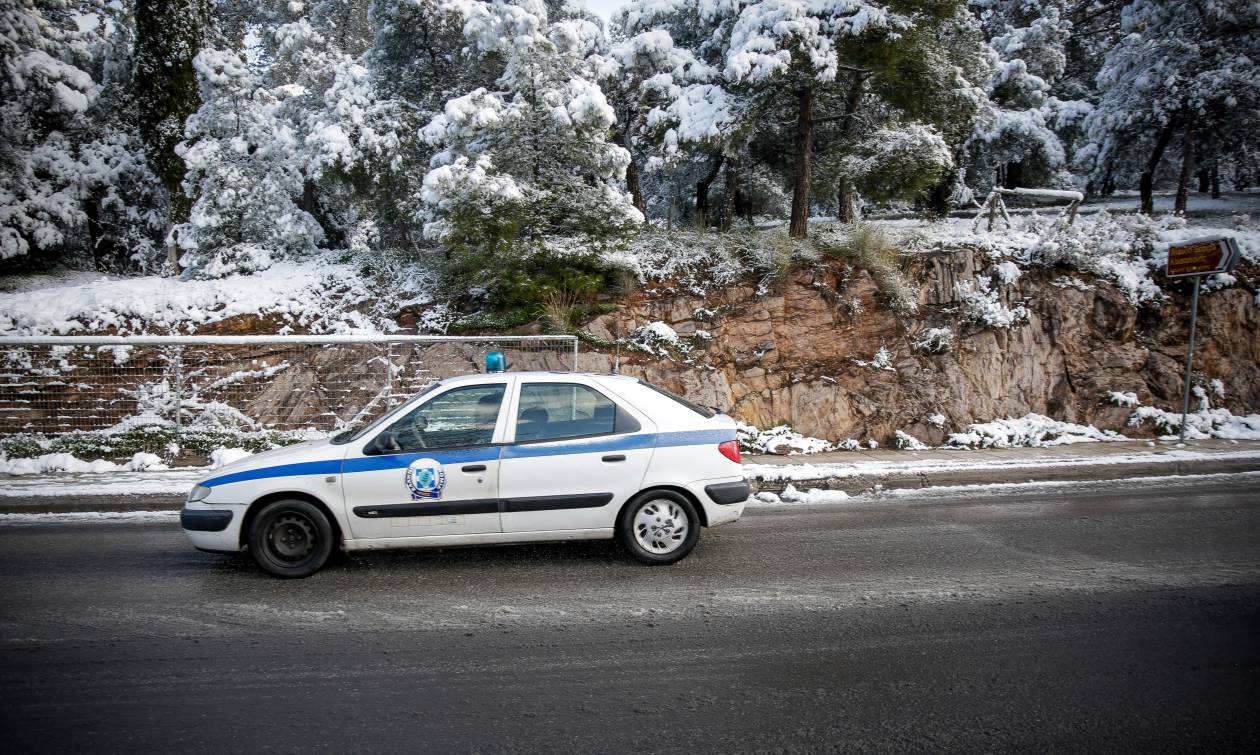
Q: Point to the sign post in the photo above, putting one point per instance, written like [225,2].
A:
[1195,259]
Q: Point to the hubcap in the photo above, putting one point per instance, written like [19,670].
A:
[660,526]
[291,536]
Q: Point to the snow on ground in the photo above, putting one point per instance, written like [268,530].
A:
[173,482]
[936,492]
[911,466]
[67,463]
[89,516]
[318,295]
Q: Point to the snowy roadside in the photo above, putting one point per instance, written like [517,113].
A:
[822,478]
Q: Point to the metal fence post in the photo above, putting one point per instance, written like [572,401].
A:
[575,353]
[389,375]
[179,391]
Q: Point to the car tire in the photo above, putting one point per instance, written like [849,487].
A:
[291,539]
[659,527]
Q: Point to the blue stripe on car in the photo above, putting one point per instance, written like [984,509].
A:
[488,453]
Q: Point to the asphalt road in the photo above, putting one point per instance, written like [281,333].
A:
[1109,616]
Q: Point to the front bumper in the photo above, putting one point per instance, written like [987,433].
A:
[213,526]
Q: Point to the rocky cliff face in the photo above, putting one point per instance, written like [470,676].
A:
[804,351]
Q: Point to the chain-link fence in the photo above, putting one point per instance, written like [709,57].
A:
[318,384]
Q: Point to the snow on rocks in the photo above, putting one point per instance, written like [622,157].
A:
[1029,430]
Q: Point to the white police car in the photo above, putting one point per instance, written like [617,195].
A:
[494,458]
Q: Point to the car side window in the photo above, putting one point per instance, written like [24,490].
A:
[458,418]
[555,411]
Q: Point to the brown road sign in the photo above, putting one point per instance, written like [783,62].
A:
[1201,257]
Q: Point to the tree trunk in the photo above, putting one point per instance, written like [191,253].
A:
[632,170]
[1216,180]
[1205,178]
[1014,175]
[844,203]
[1146,184]
[169,33]
[728,197]
[804,139]
[1187,168]
[702,191]
[636,191]
[1109,182]
[938,197]
[844,193]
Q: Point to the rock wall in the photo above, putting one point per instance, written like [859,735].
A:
[801,352]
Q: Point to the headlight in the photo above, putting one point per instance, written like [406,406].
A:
[198,493]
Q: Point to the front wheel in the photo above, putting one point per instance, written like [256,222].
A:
[659,527]
[291,539]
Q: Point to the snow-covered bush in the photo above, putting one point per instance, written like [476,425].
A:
[982,305]
[1201,424]
[1118,247]
[867,247]
[934,341]
[656,338]
[908,442]
[1030,430]
[780,439]
[1123,398]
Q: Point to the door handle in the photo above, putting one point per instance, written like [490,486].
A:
[473,468]
[614,457]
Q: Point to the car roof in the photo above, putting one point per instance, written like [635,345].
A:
[473,377]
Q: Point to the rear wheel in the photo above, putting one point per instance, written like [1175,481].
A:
[291,539]
[659,527]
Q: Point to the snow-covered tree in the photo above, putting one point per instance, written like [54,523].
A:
[244,171]
[73,178]
[526,188]
[1018,140]
[1188,69]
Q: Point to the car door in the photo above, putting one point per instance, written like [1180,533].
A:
[574,457]
[432,472]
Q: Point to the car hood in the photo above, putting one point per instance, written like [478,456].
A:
[311,450]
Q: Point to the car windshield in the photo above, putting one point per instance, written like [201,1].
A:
[354,433]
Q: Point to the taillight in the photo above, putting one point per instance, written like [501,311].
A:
[730,449]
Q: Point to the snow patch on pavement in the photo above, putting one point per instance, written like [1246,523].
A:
[917,466]
[89,516]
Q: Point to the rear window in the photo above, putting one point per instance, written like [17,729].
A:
[703,411]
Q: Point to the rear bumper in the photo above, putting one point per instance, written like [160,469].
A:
[721,499]
[213,527]
[726,493]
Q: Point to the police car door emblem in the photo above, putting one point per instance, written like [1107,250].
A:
[425,479]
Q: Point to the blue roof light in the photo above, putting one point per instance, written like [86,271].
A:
[496,361]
